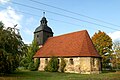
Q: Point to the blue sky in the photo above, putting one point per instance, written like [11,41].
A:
[105,10]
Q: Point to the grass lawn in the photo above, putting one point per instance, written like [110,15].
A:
[36,75]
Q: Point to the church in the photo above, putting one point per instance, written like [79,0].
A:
[76,48]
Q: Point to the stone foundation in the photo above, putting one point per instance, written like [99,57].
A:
[82,65]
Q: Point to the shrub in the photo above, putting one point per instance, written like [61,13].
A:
[37,63]
[62,65]
[52,65]
[33,66]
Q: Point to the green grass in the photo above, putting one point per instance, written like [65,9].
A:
[36,75]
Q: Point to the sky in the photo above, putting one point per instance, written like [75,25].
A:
[63,16]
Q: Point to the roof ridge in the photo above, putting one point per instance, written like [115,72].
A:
[68,33]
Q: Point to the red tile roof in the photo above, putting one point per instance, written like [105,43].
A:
[76,44]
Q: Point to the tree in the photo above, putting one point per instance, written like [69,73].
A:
[27,60]
[103,44]
[11,47]
[116,56]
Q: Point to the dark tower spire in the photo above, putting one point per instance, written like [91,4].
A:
[44,22]
[42,32]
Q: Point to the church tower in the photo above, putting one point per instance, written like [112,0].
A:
[42,32]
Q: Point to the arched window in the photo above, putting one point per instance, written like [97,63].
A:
[37,36]
[71,61]
[93,61]
[46,60]
[58,61]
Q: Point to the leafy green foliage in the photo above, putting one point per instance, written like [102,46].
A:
[115,58]
[62,65]
[52,65]
[106,62]
[27,60]
[36,63]
[11,49]
[33,66]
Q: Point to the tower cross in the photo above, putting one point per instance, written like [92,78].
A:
[43,14]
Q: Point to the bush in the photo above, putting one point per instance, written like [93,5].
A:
[33,66]
[52,65]
[62,65]
[37,63]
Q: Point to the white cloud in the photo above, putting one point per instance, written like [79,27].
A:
[4,1]
[115,35]
[10,18]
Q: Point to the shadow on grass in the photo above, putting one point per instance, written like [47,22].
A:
[108,71]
